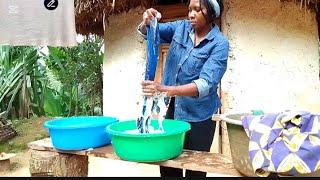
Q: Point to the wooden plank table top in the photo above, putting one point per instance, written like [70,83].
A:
[192,160]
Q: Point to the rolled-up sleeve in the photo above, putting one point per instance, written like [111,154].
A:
[213,69]
[202,86]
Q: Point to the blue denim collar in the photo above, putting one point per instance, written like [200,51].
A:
[210,36]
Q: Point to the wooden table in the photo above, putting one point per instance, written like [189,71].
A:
[48,161]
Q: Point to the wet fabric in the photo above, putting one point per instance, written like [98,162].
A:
[152,106]
[286,142]
[37,22]
[153,42]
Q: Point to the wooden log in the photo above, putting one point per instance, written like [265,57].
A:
[70,165]
[41,163]
[5,162]
[4,165]
[49,163]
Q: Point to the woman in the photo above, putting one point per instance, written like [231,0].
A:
[196,62]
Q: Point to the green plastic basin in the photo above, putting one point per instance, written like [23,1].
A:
[152,147]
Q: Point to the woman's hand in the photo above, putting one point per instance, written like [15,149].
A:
[147,17]
[149,14]
[149,88]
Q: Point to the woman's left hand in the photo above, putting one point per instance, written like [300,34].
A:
[149,88]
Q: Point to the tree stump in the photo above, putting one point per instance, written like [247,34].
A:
[5,162]
[4,165]
[46,163]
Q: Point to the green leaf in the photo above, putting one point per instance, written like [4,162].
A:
[52,106]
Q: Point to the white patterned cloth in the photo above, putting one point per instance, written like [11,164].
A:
[153,107]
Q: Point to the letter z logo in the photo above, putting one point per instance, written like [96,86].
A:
[51,4]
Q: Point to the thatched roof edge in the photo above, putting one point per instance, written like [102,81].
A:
[90,14]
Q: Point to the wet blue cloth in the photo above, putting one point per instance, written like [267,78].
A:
[153,42]
[149,105]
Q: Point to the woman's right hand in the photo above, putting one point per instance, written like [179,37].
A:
[149,14]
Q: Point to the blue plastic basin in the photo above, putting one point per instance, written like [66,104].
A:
[78,133]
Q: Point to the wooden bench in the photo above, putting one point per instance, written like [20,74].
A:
[48,161]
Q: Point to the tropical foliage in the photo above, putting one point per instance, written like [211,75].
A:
[62,82]
[79,70]
[19,81]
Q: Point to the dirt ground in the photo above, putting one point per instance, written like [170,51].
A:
[98,167]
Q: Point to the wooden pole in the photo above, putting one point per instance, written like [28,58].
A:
[216,143]
[225,144]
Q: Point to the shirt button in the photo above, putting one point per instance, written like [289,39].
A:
[186,56]
[176,105]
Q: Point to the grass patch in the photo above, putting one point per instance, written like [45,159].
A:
[28,130]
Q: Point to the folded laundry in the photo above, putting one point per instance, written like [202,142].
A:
[286,143]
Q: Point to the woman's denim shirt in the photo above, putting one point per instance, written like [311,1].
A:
[204,65]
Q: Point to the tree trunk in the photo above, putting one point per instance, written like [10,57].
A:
[24,94]
[70,102]
[100,94]
[93,101]
[45,163]
[77,99]
[5,166]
